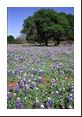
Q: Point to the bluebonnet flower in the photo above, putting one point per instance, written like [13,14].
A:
[58,65]
[28,66]
[20,69]
[48,103]
[40,72]
[36,104]
[32,85]
[26,89]
[18,103]
[34,71]
[17,70]
[32,77]
[53,82]
[17,88]
[9,96]
[21,83]
[70,98]
[13,73]
[24,79]
[40,80]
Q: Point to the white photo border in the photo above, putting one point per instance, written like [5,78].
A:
[77,57]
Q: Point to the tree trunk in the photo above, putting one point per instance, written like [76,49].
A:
[46,42]
[46,39]
[57,42]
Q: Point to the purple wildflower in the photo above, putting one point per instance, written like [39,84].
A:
[24,79]
[21,83]
[53,82]
[9,96]
[32,85]
[36,104]
[26,89]
[28,66]
[34,71]
[40,80]
[32,77]
[14,73]
[17,88]
[70,98]
[48,103]
[40,72]
[18,103]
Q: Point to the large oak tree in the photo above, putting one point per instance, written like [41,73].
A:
[47,24]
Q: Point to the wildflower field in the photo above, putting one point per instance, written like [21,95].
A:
[40,77]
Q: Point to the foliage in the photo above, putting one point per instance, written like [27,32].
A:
[47,24]
[10,39]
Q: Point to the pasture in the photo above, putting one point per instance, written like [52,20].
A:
[40,77]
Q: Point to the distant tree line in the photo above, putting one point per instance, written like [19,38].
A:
[48,25]
[12,40]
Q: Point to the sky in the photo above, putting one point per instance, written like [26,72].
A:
[16,16]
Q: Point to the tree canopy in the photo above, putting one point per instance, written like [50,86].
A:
[47,24]
[10,39]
